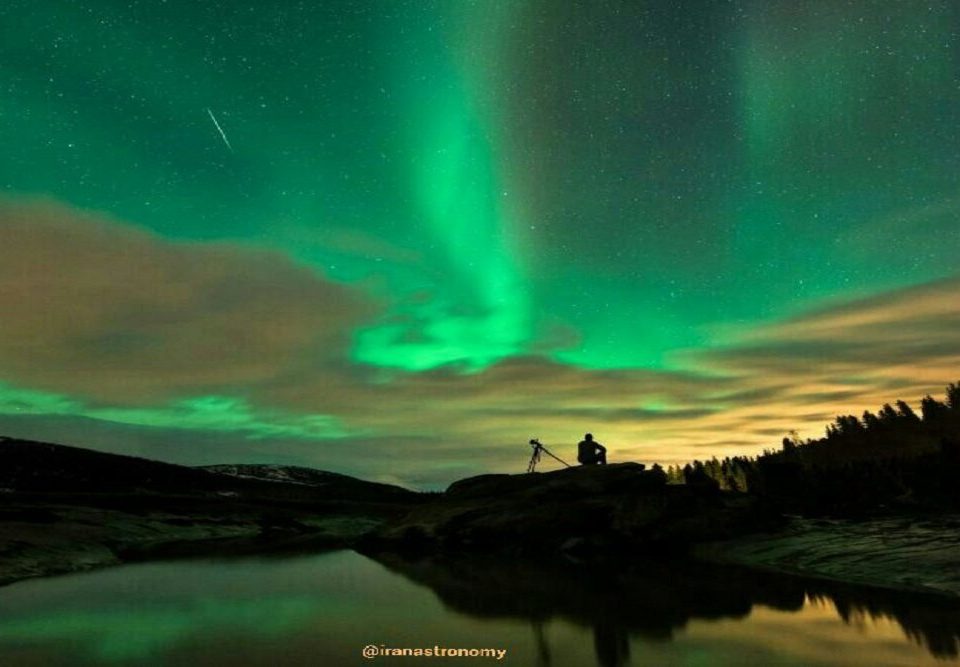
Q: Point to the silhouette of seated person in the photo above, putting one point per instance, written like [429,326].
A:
[590,452]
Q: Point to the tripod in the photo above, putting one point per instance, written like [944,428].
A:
[539,449]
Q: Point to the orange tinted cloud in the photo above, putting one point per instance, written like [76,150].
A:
[113,313]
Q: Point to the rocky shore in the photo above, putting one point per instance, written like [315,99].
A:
[41,537]
[906,552]
[65,509]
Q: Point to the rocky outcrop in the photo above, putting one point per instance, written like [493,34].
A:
[593,510]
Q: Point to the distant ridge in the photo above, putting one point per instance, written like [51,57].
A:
[301,475]
[276,473]
[27,466]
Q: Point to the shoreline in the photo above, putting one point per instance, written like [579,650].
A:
[908,553]
[50,540]
[785,552]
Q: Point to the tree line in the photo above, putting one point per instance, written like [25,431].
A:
[891,457]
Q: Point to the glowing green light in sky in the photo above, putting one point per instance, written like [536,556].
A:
[604,184]
[214,413]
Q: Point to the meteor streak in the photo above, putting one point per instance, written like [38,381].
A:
[220,130]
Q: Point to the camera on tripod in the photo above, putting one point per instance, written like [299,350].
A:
[538,450]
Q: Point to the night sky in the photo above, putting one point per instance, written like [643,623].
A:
[433,229]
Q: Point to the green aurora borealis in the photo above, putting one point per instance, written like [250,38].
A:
[448,226]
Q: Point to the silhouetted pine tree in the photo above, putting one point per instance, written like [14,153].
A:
[932,410]
[892,457]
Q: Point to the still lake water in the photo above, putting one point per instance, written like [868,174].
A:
[323,609]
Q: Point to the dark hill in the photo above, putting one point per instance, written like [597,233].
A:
[39,467]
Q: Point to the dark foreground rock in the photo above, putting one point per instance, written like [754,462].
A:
[584,511]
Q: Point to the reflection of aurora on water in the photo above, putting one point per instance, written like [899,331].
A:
[138,633]
[248,611]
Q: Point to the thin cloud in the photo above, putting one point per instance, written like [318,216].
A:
[110,312]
